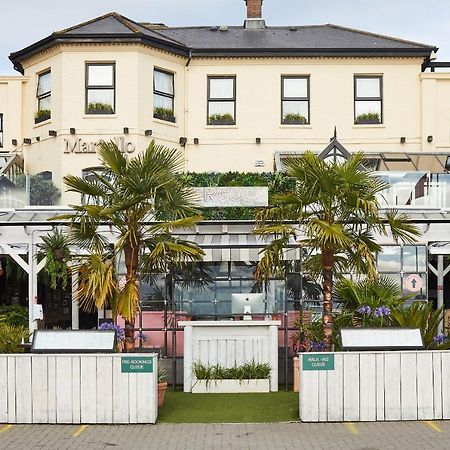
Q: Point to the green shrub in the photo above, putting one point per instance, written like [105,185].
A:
[10,338]
[368,116]
[248,371]
[216,117]
[98,107]
[42,113]
[293,117]
[15,315]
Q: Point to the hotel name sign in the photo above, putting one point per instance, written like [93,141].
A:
[213,197]
[79,145]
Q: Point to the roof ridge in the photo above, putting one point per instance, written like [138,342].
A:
[383,36]
[87,22]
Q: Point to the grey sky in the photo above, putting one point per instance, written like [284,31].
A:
[26,21]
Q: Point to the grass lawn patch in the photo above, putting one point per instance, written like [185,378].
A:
[181,407]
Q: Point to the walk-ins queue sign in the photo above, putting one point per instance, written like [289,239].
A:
[137,364]
[317,361]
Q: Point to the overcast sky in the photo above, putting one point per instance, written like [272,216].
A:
[24,22]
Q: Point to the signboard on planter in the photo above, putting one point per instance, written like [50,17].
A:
[137,364]
[226,196]
[318,361]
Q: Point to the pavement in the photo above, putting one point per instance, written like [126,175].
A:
[295,435]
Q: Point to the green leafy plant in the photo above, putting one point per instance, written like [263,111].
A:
[248,371]
[99,108]
[56,249]
[421,315]
[41,113]
[294,118]
[227,117]
[11,337]
[368,116]
[162,373]
[14,315]
[163,113]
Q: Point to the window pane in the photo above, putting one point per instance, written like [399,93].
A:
[105,96]
[160,101]
[45,103]
[221,108]
[296,107]
[163,82]
[365,107]
[221,88]
[389,259]
[44,83]
[295,87]
[368,87]
[100,75]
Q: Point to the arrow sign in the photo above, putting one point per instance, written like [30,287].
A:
[413,282]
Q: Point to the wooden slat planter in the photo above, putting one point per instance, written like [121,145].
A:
[230,386]
[377,386]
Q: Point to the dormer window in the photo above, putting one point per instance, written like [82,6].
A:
[44,97]
[100,88]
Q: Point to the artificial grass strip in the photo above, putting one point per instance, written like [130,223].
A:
[181,407]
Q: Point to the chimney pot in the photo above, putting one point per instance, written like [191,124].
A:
[254,9]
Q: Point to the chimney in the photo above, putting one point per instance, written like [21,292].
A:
[254,19]
[254,9]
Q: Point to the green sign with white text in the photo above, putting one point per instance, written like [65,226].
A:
[137,364]
[318,361]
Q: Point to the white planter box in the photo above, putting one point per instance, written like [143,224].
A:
[230,386]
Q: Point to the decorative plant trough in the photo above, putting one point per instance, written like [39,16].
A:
[230,386]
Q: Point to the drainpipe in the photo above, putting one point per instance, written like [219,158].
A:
[186,109]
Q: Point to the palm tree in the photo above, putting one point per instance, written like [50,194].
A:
[143,201]
[335,213]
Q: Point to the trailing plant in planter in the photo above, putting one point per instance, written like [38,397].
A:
[162,384]
[368,118]
[56,249]
[248,371]
[221,119]
[294,119]
[99,108]
[41,115]
[164,114]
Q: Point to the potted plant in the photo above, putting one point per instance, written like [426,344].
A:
[56,249]
[41,115]
[99,108]
[294,119]
[162,384]
[164,114]
[368,118]
[249,377]
[221,119]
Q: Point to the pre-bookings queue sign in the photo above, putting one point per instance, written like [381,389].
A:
[137,364]
[318,361]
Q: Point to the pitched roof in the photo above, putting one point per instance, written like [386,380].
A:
[314,40]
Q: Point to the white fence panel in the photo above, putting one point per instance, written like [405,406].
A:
[369,386]
[77,389]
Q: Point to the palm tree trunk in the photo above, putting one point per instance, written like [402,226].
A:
[131,263]
[327,272]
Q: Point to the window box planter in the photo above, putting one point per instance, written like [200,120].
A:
[41,116]
[230,386]
[221,122]
[367,121]
[99,108]
[165,117]
[294,122]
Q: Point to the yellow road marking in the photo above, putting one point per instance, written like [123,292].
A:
[6,427]
[351,427]
[79,431]
[433,425]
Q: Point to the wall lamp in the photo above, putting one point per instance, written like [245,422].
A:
[258,140]
[126,130]
[196,141]
[26,140]
[148,132]
[402,140]
[72,130]
[183,141]
[52,133]
[429,138]
[14,142]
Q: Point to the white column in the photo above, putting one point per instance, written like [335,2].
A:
[273,357]
[187,362]
[75,309]
[32,284]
